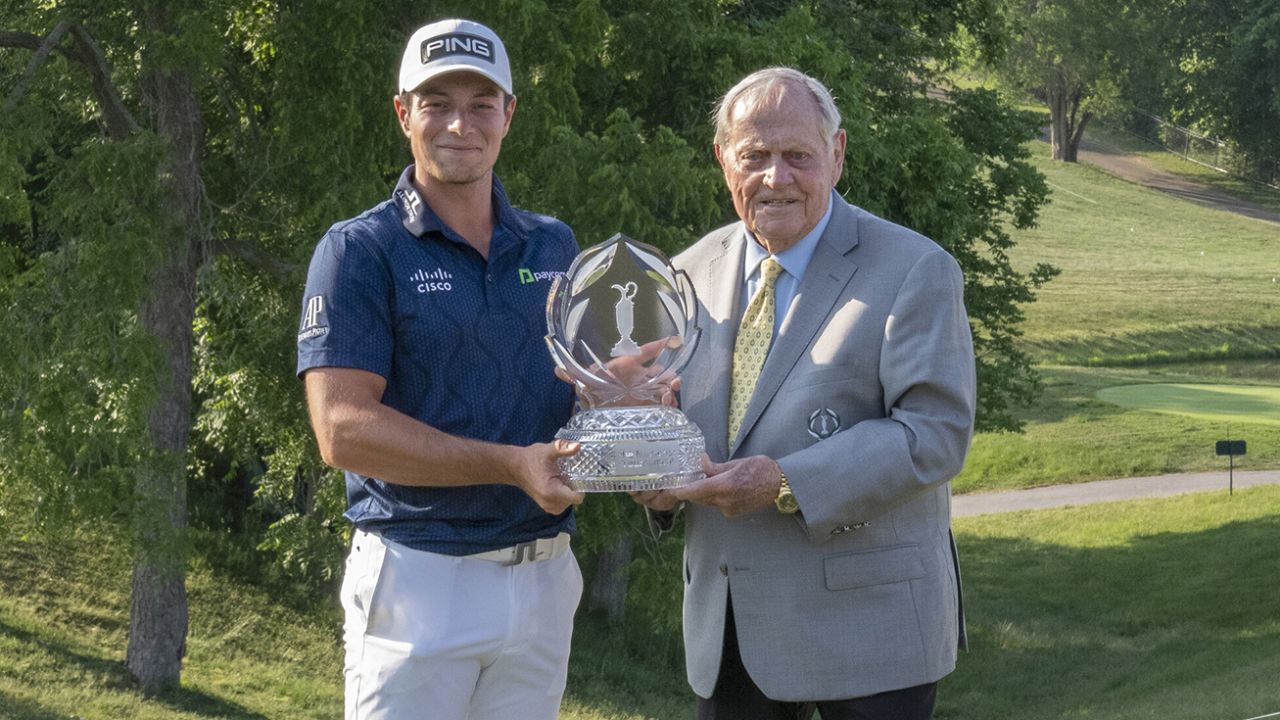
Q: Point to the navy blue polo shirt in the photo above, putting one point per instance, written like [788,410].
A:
[459,340]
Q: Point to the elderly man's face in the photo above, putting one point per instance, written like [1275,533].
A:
[779,170]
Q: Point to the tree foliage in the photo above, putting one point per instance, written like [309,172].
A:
[612,133]
[1223,73]
[1080,58]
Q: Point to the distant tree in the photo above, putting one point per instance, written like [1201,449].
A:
[1078,57]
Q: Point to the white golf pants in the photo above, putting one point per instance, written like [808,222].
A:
[437,637]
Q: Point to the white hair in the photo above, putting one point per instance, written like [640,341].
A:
[764,85]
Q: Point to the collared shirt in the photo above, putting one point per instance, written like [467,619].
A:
[794,261]
[459,339]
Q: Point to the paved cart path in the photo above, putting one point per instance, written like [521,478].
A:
[1098,491]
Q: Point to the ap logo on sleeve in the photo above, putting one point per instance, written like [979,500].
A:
[312,319]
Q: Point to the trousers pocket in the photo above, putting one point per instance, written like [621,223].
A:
[360,580]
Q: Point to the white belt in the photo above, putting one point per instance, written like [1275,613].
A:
[532,551]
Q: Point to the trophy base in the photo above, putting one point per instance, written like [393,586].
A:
[630,449]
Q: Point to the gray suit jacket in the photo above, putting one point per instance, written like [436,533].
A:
[859,593]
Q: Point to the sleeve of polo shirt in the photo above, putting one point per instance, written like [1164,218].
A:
[346,308]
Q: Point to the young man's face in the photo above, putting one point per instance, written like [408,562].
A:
[780,169]
[455,124]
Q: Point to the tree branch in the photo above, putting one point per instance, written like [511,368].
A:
[120,123]
[42,50]
[12,38]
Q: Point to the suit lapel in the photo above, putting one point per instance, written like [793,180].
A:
[824,280]
[722,277]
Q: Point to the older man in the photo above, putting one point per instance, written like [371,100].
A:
[835,387]
[428,382]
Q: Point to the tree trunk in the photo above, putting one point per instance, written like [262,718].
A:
[609,588]
[158,612]
[1060,125]
[1078,135]
[158,608]
[1065,132]
[157,624]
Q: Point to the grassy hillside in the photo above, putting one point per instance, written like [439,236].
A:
[1112,138]
[64,610]
[1159,609]
[1147,277]
[1153,289]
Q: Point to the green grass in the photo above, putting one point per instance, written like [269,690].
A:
[1147,277]
[64,611]
[1155,609]
[64,624]
[635,673]
[1163,609]
[1072,436]
[1153,290]
[1227,403]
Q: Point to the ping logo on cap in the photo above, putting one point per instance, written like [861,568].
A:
[434,48]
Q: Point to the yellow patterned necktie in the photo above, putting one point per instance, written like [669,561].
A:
[755,333]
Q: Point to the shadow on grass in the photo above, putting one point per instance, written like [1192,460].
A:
[15,708]
[111,675]
[1192,343]
[204,704]
[1168,625]
[632,667]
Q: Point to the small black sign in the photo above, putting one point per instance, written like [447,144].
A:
[1231,447]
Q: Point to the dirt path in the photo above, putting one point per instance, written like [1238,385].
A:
[1137,170]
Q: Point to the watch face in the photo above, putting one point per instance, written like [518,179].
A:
[787,503]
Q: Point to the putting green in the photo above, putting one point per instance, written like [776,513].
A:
[1227,403]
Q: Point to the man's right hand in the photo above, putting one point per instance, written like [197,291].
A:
[538,474]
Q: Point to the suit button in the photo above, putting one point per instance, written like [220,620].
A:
[724,570]
[841,530]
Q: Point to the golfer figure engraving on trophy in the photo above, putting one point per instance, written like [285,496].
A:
[623,315]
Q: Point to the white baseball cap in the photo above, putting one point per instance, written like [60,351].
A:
[452,45]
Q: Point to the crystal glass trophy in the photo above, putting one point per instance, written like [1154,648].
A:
[620,324]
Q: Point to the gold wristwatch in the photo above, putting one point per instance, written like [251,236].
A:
[786,501]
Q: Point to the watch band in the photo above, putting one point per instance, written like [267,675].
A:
[786,501]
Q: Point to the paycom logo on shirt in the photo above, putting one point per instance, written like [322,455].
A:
[528,276]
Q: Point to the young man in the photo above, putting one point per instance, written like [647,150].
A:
[428,382]
[835,387]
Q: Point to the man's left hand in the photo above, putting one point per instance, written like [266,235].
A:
[736,487]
